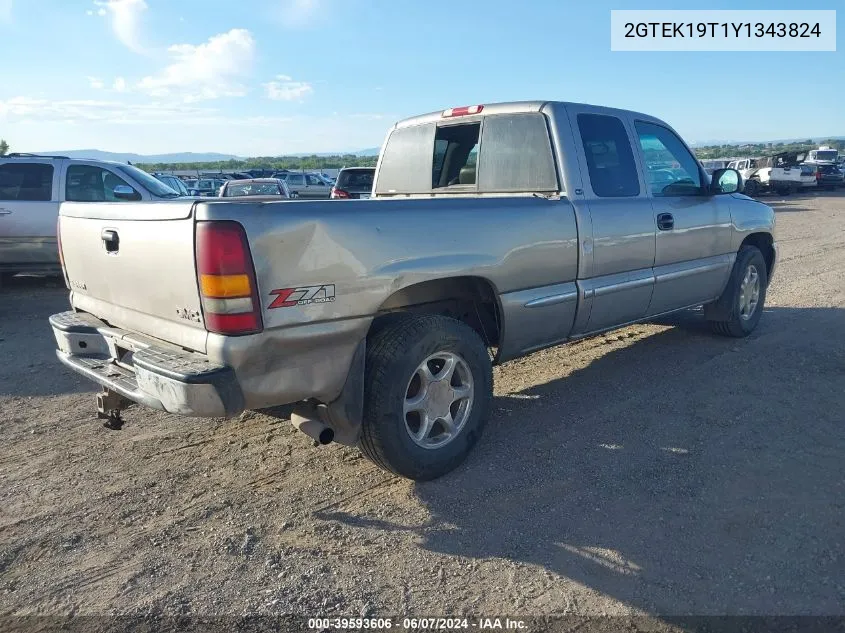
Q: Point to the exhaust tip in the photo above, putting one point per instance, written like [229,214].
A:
[304,421]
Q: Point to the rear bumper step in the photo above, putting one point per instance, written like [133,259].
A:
[155,375]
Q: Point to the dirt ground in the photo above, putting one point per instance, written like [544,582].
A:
[659,469]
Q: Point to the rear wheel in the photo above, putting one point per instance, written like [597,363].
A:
[741,305]
[427,394]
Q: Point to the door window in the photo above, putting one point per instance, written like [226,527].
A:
[296,180]
[610,159]
[671,167]
[87,183]
[313,180]
[32,182]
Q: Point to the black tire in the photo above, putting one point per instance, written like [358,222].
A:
[394,353]
[784,191]
[752,188]
[729,321]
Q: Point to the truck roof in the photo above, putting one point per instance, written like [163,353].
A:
[509,107]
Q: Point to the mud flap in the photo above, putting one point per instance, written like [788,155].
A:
[344,413]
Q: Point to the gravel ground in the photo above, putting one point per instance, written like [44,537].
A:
[658,469]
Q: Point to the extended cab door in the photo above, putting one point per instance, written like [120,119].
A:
[619,288]
[693,244]
[29,210]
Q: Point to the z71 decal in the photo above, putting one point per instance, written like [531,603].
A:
[302,296]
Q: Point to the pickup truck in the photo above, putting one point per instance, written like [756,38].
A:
[780,173]
[494,230]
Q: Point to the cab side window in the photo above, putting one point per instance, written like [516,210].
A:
[87,183]
[313,180]
[610,159]
[26,182]
[672,169]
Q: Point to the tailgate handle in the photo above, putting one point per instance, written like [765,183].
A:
[111,239]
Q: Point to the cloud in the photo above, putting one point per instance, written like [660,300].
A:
[285,89]
[95,83]
[207,71]
[119,85]
[18,109]
[125,17]
[298,13]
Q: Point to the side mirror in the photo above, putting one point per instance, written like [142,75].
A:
[726,181]
[124,192]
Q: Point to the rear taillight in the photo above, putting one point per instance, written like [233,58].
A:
[339,193]
[226,279]
[61,255]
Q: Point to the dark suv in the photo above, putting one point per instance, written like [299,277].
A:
[829,176]
[353,183]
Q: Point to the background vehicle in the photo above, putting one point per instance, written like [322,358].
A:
[827,175]
[782,173]
[31,189]
[377,320]
[206,187]
[272,187]
[174,183]
[824,155]
[354,183]
[304,185]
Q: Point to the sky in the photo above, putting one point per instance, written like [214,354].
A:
[273,77]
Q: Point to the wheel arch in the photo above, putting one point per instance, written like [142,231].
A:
[765,244]
[471,299]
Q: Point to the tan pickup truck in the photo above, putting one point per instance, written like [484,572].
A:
[494,230]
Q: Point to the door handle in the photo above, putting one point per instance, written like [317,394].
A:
[111,239]
[5,212]
[665,221]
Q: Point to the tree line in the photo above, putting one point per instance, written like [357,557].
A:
[763,149]
[308,163]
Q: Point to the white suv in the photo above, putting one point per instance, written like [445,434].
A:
[33,186]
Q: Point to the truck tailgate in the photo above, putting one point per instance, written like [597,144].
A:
[132,265]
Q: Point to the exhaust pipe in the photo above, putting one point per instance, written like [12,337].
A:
[312,427]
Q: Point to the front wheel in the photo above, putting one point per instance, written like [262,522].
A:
[741,305]
[752,188]
[427,394]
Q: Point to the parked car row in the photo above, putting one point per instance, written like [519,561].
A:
[789,172]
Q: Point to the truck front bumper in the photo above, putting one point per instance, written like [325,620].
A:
[146,371]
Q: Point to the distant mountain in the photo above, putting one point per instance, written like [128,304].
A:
[373,151]
[182,157]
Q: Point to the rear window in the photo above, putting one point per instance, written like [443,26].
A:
[356,179]
[406,161]
[501,153]
[516,154]
[253,189]
[827,155]
[30,182]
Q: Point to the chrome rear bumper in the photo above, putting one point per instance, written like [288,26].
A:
[150,373]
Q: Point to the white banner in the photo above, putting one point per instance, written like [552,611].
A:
[671,30]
